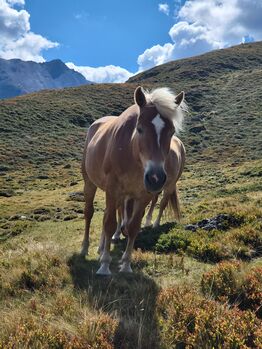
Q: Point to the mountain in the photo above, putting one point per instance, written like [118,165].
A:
[18,77]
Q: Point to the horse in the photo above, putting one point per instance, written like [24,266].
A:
[170,194]
[128,158]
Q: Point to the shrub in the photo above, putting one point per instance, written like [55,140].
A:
[251,237]
[42,271]
[187,320]
[208,251]
[221,282]
[225,282]
[251,291]
[93,333]
[173,241]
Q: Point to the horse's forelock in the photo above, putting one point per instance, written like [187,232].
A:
[164,101]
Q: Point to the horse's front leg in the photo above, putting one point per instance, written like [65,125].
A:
[133,226]
[109,226]
[116,236]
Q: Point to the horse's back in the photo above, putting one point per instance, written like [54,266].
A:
[98,124]
[95,149]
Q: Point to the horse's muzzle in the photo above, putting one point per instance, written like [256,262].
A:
[154,179]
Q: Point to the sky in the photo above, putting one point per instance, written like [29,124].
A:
[109,41]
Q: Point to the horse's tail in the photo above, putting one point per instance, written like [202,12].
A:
[173,205]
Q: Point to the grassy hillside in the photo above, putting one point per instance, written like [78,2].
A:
[196,284]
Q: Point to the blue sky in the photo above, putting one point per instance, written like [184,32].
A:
[108,41]
[101,32]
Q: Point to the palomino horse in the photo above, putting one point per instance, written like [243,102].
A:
[128,158]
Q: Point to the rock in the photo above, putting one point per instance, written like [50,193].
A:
[7,193]
[42,176]
[43,218]
[76,196]
[41,210]
[70,217]
[191,227]
[73,183]
[67,166]
[17,217]
[220,222]
[4,168]
[79,210]
[197,129]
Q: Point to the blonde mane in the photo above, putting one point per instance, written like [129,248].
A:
[164,100]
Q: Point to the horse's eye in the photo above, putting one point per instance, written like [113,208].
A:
[139,130]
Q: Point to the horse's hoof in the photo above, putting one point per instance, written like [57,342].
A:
[115,240]
[125,268]
[148,224]
[104,270]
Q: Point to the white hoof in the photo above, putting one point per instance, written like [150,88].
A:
[156,224]
[104,270]
[148,223]
[115,240]
[125,268]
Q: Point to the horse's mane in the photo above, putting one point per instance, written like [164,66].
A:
[164,100]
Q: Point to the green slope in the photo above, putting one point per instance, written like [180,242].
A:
[179,295]
[222,90]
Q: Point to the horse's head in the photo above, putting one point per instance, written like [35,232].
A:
[160,115]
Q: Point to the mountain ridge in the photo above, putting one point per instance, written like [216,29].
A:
[19,77]
[208,64]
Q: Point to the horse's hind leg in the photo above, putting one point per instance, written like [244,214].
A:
[163,205]
[148,221]
[116,236]
[89,194]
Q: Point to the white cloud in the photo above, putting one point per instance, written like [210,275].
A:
[204,25]
[16,2]
[155,55]
[17,41]
[27,48]
[109,73]
[164,8]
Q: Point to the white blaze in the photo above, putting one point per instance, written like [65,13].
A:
[159,125]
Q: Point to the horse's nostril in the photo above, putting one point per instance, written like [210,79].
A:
[147,177]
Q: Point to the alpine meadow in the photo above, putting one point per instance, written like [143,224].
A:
[196,283]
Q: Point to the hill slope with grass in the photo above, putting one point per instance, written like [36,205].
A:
[196,283]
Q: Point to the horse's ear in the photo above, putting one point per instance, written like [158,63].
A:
[140,97]
[179,98]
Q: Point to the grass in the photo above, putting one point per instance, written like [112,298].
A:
[58,301]
[199,289]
